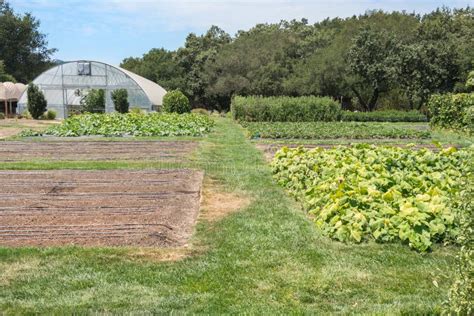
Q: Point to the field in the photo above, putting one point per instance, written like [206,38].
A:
[253,249]
[98,208]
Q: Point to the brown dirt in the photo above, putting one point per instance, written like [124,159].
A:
[269,150]
[174,151]
[217,204]
[98,208]
[11,127]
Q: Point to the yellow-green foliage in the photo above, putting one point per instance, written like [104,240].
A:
[364,192]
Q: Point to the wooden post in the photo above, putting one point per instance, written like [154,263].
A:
[6,109]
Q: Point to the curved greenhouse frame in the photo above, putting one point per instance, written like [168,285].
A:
[66,84]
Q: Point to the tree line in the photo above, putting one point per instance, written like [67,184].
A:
[375,60]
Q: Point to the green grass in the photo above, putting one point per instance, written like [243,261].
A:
[268,258]
[332,130]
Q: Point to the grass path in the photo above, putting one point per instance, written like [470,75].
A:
[266,258]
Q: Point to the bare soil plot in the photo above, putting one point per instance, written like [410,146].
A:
[269,150]
[11,127]
[98,208]
[96,150]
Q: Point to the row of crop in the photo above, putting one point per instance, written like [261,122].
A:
[452,111]
[386,194]
[329,130]
[132,124]
[310,109]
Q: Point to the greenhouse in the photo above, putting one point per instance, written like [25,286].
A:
[65,85]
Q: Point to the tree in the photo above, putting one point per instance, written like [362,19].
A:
[4,76]
[23,48]
[37,103]
[176,102]
[94,101]
[372,62]
[120,99]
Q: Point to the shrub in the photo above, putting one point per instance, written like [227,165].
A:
[94,101]
[384,116]
[120,99]
[25,114]
[36,101]
[453,111]
[461,294]
[136,110]
[49,115]
[285,109]
[176,102]
[386,194]
[2,116]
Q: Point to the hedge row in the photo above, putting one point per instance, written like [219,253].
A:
[384,116]
[453,111]
[285,109]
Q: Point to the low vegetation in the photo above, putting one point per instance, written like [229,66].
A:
[327,130]
[130,124]
[285,109]
[384,116]
[366,192]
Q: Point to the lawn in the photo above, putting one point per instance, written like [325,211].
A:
[266,258]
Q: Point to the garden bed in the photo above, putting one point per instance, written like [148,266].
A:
[98,208]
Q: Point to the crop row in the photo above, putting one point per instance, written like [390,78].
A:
[328,130]
[386,194]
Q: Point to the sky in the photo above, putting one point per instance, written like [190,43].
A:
[111,30]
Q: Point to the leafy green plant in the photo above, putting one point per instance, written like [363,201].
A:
[49,115]
[176,102]
[120,99]
[384,116]
[387,194]
[285,109]
[461,294]
[2,116]
[326,130]
[37,103]
[134,124]
[452,111]
[94,101]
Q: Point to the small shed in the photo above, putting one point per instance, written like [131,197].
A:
[10,94]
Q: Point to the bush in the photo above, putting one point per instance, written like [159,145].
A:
[384,116]
[386,194]
[94,101]
[176,102]
[120,99]
[461,294]
[285,109]
[136,111]
[453,111]
[49,115]
[25,115]
[2,116]
[36,101]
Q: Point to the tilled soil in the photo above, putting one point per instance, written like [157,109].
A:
[168,151]
[269,150]
[98,208]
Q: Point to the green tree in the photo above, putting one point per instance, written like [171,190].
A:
[176,102]
[94,101]
[372,61]
[37,103]
[120,99]
[4,76]
[23,48]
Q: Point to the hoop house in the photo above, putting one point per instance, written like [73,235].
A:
[66,84]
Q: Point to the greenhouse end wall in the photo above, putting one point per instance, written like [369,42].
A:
[65,85]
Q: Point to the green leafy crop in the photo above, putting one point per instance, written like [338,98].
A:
[133,124]
[386,194]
